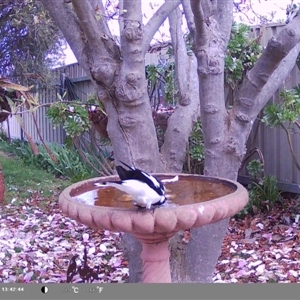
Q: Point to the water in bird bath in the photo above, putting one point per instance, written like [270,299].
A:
[187,190]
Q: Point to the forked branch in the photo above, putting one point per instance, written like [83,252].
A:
[157,19]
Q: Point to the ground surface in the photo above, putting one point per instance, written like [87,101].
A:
[37,245]
[37,242]
[262,248]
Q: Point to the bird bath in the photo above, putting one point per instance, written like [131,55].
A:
[193,201]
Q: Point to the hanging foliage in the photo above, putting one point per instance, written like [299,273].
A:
[30,43]
[242,52]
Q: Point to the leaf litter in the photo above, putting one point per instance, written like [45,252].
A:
[41,245]
[262,248]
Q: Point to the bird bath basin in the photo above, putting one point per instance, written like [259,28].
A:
[193,201]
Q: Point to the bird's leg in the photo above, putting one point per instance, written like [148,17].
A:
[150,207]
[139,207]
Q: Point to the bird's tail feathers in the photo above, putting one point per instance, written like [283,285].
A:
[174,179]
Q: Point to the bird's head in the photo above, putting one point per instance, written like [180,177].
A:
[163,199]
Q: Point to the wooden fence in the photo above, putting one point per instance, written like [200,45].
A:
[272,142]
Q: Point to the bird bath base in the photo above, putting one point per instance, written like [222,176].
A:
[109,209]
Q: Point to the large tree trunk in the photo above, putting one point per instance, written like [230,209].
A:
[195,261]
[116,71]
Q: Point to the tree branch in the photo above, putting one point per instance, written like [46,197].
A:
[242,129]
[87,21]
[131,36]
[275,80]
[157,19]
[189,16]
[93,30]
[98,7]
[277,50]
[133,10]
[180,124]
[223,11]
[180,52]
[210,44]
[66,20]
[199,21]
[121,23]
[187,111]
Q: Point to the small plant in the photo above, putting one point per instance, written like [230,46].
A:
[69,163]
[86,273]
[267,192]
[196,142]
[74,118]
[263,191]
[3,134]
[195,154]
[285,115]
[255,169]
[162,77]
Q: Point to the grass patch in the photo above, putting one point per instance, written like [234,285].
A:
[24,181]
[69,163]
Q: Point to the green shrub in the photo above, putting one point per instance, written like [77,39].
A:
[3,134]
[196,143]
[194,162]
[263,196]
[255,169]
[263,191]
[242,52]
[69,163]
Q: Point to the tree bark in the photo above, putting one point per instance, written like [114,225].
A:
[180,123]
[226,132]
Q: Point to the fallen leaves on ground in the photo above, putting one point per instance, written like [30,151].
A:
[38,245]
[262,248]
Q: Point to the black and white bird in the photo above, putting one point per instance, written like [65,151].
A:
[145,189]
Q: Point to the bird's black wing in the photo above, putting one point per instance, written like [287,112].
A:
[142,176]
[126,174]
[130,174]
[151,180]
[123,173]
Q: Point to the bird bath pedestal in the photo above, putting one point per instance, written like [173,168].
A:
[153,228]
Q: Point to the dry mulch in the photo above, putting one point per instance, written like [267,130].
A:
[262,248]
[37,245]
